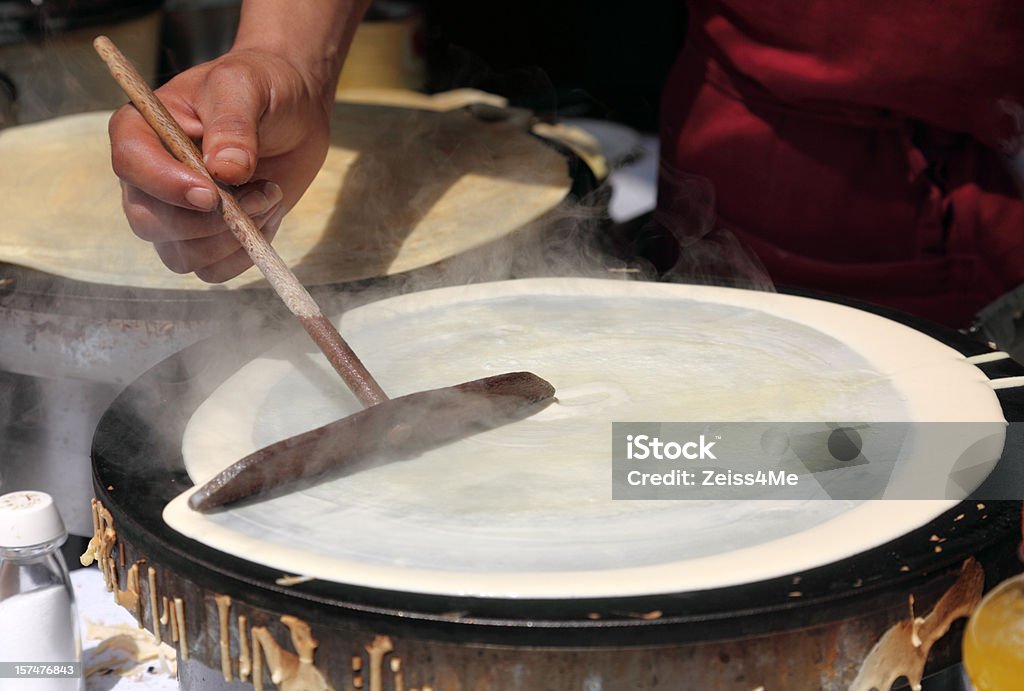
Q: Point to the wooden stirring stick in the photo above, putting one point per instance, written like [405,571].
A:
[263,255]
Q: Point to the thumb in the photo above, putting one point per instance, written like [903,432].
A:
[231,126]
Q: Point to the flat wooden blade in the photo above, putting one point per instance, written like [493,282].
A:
[397,429]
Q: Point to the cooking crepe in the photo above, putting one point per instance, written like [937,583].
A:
[526,510]
[401,189]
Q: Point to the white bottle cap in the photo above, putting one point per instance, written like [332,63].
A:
[29,518]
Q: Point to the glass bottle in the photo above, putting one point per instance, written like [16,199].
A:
[993,644]
[39,634]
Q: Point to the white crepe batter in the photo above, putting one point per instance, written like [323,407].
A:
[526,509]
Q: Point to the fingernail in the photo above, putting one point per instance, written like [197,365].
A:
[273,193]
[201,198]
[259,201]
[236,156]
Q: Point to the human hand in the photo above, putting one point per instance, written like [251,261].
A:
[264,127]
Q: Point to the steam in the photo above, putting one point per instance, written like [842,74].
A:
[708,253]
[1012,146]
[571,241]
[60,74]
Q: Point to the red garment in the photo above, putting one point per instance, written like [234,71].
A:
[853,145]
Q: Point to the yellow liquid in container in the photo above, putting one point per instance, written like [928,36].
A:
[993,643]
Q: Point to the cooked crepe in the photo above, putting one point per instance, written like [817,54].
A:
[401,189]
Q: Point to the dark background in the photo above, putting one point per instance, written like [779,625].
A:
[570,58]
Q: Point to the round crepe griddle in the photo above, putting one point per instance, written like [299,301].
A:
[400,189]
[524,511]
[781,632]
